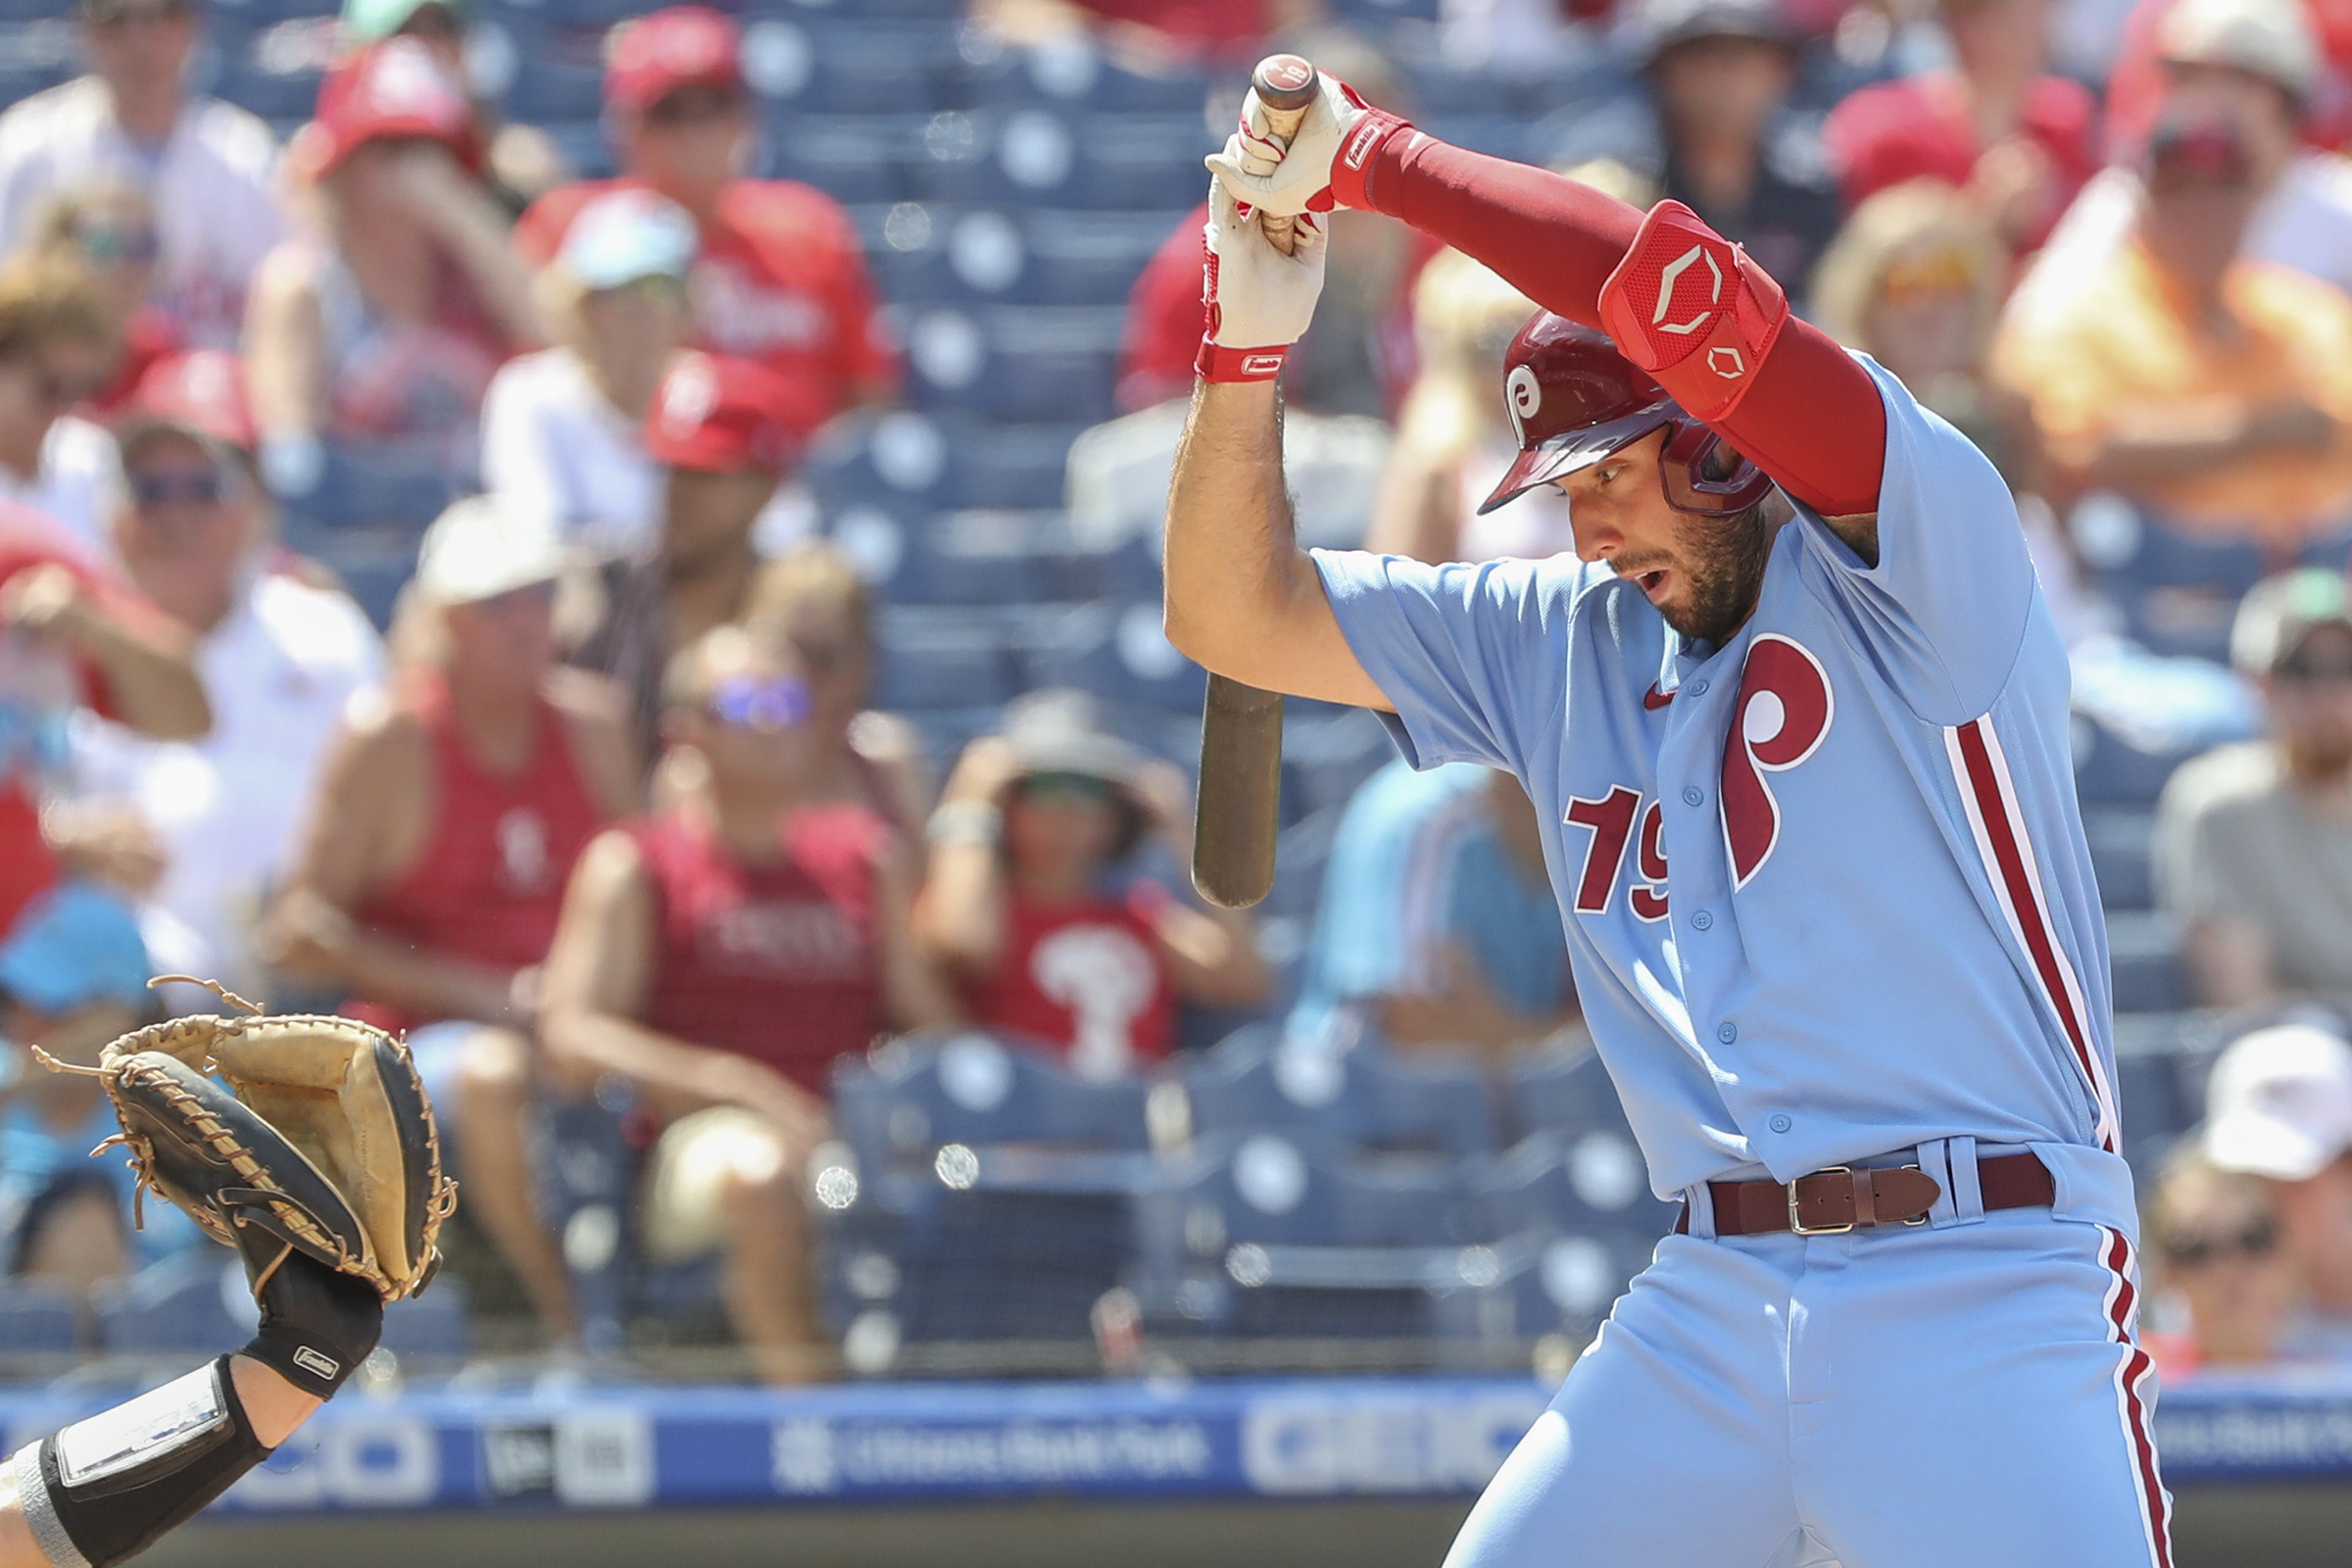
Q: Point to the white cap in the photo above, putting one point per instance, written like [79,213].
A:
[2279,1103]
[477,550]
[2266,38]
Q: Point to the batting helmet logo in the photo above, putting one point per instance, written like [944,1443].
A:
[1523,396]
[1671,276]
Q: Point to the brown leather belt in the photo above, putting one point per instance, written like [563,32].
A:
[1830,1202]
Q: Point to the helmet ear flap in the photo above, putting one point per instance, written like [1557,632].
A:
[1683,471]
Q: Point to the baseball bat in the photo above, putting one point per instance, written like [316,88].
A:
[1239,811]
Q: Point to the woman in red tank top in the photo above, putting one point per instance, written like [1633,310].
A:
[1030,906]
[721,955]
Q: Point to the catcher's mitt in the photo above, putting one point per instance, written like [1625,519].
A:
[326,1145]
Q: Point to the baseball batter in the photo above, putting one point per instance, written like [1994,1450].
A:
[1795,717]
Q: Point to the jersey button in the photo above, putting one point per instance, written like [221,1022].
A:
[1698,688]
[1692,795]
[1703,920]
[1780,1122]
[1727,1032]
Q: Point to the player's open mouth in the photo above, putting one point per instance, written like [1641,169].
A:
[1652,583]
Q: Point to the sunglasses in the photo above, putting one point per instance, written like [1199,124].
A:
[1065,786]
[2301,671]
[2189,1249]
[118,244]
[751,702]
[192,487]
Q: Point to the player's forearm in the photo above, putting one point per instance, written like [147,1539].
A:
[149,676]
[1812,418]
[1233,565]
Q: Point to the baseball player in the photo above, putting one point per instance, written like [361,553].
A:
[1794,714]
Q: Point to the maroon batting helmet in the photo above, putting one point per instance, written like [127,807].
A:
[1573,399]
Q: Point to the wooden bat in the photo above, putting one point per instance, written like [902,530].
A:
[1241,727]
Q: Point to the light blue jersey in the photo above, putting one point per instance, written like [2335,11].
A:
[1418,866]
[1825,888]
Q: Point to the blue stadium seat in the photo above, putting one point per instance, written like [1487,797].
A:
[2111,770]
[1035,156]
[271,94]
[38,1320]
[584,146]
[1368,16]
[1566,1091]
[851,158]
[1362,1097]
[903,459]
[434,1327]
[1496,135]
[2154,1105]
[989,557]
[1007,464]
[545,91]
[1327,754]
[254,14]
[2121,839]
[1076,75]
[1266,1236]
[1029,364]
[2142,951]
[1578,1208]
[896,1107]
[1083,258]
[1118,652]
[864,68]
[934,659]
[195,1302]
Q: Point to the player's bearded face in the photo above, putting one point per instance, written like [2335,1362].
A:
[1701,572]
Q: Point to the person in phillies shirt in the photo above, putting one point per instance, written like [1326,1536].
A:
[781,277]
[1032,903]
[719,955]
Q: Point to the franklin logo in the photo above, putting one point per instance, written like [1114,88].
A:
[1672,277]
[1262,364]
[311,1361]
[1359,145]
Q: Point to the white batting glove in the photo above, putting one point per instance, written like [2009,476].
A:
[1259,301]
[1323,166]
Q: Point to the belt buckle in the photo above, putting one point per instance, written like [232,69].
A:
[1796,1225]
[1922,1219]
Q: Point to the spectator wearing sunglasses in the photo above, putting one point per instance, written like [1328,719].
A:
[723,434]
[56,353]
[779,277]
[719,955]
[2278,1109]
[1035,904]
[2223,1285]
[280,657]
[109,232]
[427,886]
[209,168]
[2253,846]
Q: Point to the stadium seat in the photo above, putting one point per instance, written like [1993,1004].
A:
[2111,771]
[553,90]
[896,1107]
[1269,1236]
[2120,839]
[866,69]
[585,147]
[2142,951]
[1075,75]
[900,460]
[194,1302]
[2154,1105]
[17,80]
[37,1321]
[1017,465]
[1566,1091]
[273,95]
[1496,135]
[1016,363]
[1360,1099]
[991,557]
[1327,754]
[1086,258]
[1578,1208]
[851,158]
[1118,652]
[257,14]
[940,658]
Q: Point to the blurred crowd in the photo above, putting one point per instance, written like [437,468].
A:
[602,814]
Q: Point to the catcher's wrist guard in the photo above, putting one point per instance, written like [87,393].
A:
[107,1489]
[317,1325]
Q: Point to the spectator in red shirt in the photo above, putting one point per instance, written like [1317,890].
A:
[719,955]
[781,277]
[1031,902]
[427,885]
[379,326]
[2019,141]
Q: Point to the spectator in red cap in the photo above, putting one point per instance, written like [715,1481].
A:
[1994,124]
[726,433]
[281,658]
[380,325]
[781,277]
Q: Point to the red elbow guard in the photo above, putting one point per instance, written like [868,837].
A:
[1689,306]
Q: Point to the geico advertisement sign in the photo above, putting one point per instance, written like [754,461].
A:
[1305,1445]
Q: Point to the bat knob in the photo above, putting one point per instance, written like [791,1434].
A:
[1284,83]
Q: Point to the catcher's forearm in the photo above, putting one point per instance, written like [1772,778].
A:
[107,1488]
